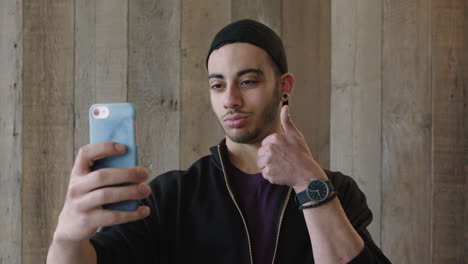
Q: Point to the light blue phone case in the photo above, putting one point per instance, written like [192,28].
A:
[118,126]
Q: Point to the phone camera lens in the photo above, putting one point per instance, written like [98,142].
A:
[96,112]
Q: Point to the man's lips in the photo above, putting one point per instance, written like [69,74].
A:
[236,120]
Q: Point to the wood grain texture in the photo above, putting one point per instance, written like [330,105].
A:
[100,59]
[59,57]
[449,68]
[466,183]
[154,81]
[10,130]
[465,128]
[199,128]
[85,69]
[267,12]
[47,120]
[355,136]
[306,35]
[406,131]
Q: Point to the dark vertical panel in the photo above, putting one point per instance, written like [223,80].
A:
[154,80]
[306,33]
[11,48]
[448,99]
[47,120]
[199,128]
[406,130]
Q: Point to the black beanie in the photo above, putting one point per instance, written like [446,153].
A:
[255,33]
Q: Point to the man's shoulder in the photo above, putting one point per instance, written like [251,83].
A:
[185,185]
[200,167]
[341,181]
[351,197]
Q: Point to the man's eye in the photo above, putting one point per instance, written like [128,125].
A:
[216,86]
[248,82]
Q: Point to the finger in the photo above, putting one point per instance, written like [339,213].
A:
[273,138]
[261,151]
[286,122]
[92,152]
[266,172]
[104,217]
[261,163]
[114,194]
[109,176]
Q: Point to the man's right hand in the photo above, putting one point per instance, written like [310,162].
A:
[82,213]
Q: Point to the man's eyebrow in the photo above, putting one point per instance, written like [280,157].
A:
[215,76]
[242,72]
[239,73]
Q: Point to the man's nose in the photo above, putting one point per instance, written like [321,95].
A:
[233,97]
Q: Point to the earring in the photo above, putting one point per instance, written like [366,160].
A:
[285,96]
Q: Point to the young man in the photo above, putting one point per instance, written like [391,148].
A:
[259,198]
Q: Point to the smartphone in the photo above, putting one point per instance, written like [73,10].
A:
[115,122]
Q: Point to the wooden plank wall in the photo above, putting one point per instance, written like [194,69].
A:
[11,48]
[154,81]
[47,139]
[100,59]
[356,97]
[306,35]
[450,134]
[380,94]
[464,73]
[398,121]
[406,130]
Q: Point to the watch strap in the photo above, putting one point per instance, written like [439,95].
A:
[302,197]
[330,185]
[317,204]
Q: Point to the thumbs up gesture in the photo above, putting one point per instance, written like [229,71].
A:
[285,159]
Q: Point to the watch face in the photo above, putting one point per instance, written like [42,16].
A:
[317,190]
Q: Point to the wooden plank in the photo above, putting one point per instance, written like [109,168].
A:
[406,131]
[11,49]
[199,128]
[101,58]
[466,183]
[449,136]
[47,120]
[465,129]
[154,81]
[306,35]
[111,50]
[264,11]
[85,69]
[355,141]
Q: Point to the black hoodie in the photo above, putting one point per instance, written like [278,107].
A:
[195,219]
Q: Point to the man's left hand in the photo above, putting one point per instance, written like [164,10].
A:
[285,159]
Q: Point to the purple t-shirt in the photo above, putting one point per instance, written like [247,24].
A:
[260,203]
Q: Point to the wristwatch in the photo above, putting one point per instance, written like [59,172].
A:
[317,191]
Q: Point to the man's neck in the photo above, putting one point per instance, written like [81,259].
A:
[244,156]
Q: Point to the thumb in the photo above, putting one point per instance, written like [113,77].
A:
[287,123]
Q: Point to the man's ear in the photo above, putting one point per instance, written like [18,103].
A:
[287,85]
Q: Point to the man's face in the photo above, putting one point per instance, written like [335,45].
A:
[245,93]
